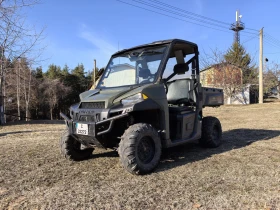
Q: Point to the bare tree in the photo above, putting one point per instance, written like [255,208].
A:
[16,38]
[18,87]
[54,90]
[271,78]
[27,80]
[222,74]
[228,70]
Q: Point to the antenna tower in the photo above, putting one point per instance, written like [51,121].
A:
[237,26]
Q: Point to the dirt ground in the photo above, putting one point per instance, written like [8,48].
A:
[244,173]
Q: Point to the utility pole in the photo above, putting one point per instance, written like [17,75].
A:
[261,68]
[94,73]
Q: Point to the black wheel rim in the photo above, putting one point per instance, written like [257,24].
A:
[146,149]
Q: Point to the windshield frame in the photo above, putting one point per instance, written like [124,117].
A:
[159,71]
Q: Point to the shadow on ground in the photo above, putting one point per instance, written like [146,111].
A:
[271,100]
[105,154]
[16,132]
[232,139]
[35,122]
[191,152]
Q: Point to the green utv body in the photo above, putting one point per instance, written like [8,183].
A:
[148,98]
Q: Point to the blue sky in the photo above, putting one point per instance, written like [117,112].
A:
[80,31]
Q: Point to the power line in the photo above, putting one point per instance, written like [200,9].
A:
[250,33]
[172,16]
[272,41]
[251,38]
[194,14]
[252,29]
[183,15]
[272,38]
[271,44]
[273,53]
[191,13]
[177,13]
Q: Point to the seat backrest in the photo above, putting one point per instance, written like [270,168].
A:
[179,89]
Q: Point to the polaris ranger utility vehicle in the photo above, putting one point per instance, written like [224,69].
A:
[148,98]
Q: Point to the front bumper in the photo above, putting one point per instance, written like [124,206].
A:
[107,124]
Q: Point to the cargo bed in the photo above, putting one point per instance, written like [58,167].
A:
[212,97]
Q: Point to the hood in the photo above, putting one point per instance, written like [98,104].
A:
[108,95]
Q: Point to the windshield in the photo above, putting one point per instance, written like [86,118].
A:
[133,67]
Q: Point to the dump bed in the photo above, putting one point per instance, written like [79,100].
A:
[212,96]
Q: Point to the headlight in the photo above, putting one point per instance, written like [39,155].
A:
[133,99]
[73,108]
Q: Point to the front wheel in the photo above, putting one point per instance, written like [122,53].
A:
[140,149]
[71,148]
[211,132]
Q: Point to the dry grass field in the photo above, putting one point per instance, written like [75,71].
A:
[244,173]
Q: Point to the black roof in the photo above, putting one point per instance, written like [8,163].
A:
[162,42]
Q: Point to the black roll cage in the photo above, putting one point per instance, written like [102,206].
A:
[162,66]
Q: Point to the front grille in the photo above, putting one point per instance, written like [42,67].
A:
[87,118]
[93,105]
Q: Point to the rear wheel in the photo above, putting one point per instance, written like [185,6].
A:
[140,149]
[211,132]
[71,148]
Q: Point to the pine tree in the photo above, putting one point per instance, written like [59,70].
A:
[79,71]
[65,70]
[53,72]
[38,73]
[238,56]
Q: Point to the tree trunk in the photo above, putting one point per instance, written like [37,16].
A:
[4,100]
[2,120]
[51,114]
[27,112]
[27,94]
[18,92]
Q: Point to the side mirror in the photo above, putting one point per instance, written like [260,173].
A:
[181,68]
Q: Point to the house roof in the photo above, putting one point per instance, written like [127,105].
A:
[219,64]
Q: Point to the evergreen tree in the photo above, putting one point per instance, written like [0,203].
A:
[65,70]
[78,82]
[53,72]
[79,71]
[238,56]
[38,73]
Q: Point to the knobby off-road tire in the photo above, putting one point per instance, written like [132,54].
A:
[211,132]
[71,148]
[140,149]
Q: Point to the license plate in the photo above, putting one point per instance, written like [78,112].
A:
[82,128]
